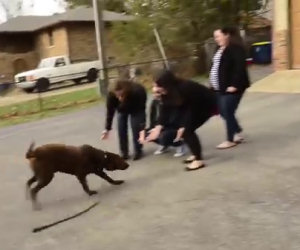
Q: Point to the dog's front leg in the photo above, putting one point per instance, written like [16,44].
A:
[82,180]
[108,179]
[28,185]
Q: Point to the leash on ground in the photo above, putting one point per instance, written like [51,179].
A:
[39,229]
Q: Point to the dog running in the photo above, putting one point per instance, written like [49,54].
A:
[80,161]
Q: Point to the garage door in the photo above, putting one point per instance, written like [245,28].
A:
[295,32]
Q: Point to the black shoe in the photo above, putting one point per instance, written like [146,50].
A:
[138,156]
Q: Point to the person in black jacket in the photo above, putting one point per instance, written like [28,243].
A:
[197,104]
[168,134]
[129,100]
[229,78]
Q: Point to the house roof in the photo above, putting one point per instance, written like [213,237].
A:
[35,23]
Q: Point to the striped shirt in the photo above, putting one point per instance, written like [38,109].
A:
[214,72]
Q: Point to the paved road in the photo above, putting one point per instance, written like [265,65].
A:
[246,199]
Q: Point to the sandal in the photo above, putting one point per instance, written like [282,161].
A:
[189,160]
[227,145]
[195,165]
[238,139]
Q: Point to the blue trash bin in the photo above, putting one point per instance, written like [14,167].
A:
[262,52]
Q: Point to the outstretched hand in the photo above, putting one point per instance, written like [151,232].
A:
[142,138]
[105,135]
[154,134]
[231,89]
[179,135]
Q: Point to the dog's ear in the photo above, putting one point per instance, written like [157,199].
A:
[94,155]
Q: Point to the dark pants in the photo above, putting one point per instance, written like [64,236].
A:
[167,137]
[136,120]
[190,137]
[228,105]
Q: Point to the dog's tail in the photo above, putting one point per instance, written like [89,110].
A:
[30,151]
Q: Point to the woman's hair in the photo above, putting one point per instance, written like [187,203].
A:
[234,35]
[121,85]
[166,79]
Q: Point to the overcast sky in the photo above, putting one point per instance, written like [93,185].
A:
[29,7]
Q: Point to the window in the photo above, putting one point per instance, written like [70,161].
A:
[51,39]
[60,62]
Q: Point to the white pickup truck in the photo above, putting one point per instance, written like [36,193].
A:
[55,70]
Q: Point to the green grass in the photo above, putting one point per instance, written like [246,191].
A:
[54,105]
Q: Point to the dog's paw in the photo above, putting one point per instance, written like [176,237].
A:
[91,193]
[119,182]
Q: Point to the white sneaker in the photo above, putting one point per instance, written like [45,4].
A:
[161,150]
[180,151]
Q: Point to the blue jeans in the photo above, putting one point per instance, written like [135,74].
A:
[136,120]
[228,104]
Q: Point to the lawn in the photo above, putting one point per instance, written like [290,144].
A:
[51,106]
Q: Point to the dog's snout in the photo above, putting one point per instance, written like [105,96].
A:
[126,165]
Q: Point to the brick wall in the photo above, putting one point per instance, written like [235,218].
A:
[58,47]
[83,44]
[12,64]
[82,41]
[295,33]
[281,50]
[281,35]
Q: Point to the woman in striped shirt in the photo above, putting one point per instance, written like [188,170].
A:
[229,78]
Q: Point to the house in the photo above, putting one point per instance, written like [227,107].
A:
[286,34]
[259,29]
[25,40]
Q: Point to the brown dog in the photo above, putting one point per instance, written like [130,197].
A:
[81,161]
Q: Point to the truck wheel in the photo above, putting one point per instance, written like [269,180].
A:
[92,75]
[29,90]
[42,84]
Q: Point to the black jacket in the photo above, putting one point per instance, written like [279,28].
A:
[155,107]
[233,69]
[134,103]
[171,119]
[197,103]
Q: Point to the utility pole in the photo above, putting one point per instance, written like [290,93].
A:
[161,48]
[98,6]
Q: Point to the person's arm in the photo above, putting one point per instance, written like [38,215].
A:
[238,55]
[155,132]
[153,114]
[111,106]
[141,102]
